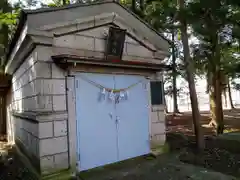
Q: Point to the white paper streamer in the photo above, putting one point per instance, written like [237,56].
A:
[122,95]
[102,94]
[112,96]
[126,95]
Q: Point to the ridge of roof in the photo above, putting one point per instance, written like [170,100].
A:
[23,18]
[69,6]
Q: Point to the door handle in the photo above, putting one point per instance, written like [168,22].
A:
[117,119]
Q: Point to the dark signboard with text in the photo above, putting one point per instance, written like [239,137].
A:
[115,44]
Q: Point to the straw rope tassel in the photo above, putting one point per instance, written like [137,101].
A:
[109,89]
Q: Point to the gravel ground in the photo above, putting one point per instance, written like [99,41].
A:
[180,165]
[165,167]
[11,167]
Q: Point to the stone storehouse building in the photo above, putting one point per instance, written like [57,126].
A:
[86,87]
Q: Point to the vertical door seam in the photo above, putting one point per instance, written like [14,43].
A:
[116,122]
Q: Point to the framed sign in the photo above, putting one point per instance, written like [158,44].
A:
[115,44]
[157,95]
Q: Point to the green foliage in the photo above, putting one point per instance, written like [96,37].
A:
[217,25]
[58,3]
[206,19]
[8,21]
[8,18]
[161,14]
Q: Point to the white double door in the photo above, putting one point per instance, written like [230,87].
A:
[108,132]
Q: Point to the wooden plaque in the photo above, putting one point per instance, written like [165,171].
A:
[115,44]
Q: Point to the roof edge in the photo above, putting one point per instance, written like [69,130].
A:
[144,22]
[23,18]
[64,59]
[69,6]
[42,10]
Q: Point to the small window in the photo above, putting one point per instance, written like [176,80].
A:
[156,92]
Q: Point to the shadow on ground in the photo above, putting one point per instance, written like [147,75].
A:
[220,160]
[164,167]
[11,167]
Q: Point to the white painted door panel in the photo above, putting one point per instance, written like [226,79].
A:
[96,131]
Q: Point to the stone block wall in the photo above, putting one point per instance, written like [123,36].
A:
[158,130]
[37,110]
[157,120]
[95,42]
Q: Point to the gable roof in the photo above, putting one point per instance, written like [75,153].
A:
[24,13]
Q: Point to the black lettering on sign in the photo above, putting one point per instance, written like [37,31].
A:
[115,44]
[156,92]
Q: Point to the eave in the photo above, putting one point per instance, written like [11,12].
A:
[65,61]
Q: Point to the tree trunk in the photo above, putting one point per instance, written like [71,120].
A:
[212,100]
[165,104]
[230,95]
[218,85]
[212,107]
[209,85]
[142,5]
[175,101]
[218,107]
[134,6]
[190,77]
[225,97]
[215,98]
[215,83]
[64,2]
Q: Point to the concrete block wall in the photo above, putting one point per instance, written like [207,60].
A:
[158,127]
[21,99]
[53,141]
[27,133]
[37,85]
[53,144]
[95,44]
[157,120]
[38,106]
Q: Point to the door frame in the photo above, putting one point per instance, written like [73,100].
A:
[72,123]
